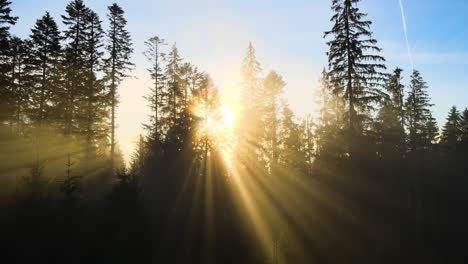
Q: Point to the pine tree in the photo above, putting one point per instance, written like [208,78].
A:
[251,75]
[418,114]
[451,132]
[19,82]
[328,133]
[70,187]
[6,20]
[74,63]
[250,129]
[117,65]
[6,97]
[293,156]
[45,68]
[94,104]
[273,87]
[155,56]
[174,95]
[396,90]
[389,125]
[464,127]
[354,66]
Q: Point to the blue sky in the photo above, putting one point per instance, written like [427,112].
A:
[288,37]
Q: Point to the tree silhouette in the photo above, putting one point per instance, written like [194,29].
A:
[45,59]
[451,132]
[418,113]
[155,56]
[355,69]
[119,47]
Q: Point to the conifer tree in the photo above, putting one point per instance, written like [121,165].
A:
[155,56]
[251,75]
[19,82]
[117,65]
[451,132]
[273,87]
[6,20]
[173,86]
[418,114]
[94,104]
[74,63]
[331,121]
[44,62]
[355,68]
[250,128]
[396,90]
[293,155]
[464,127]
[390,119]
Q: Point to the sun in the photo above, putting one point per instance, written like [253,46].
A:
[216,122]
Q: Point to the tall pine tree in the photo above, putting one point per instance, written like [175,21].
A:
[74,63]
[355,68]
[155,56]
[94,107]
[419,119]
[451,132]
[6,97]
[19,82]
[117,65]
[45,68]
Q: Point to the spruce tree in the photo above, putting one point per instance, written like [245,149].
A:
[94,104]
[155,56]
[396,91]
[74,63]
[390,119]
[117,65]
[173,86]
[464,127]
[45,68]
[451,132]
[250,129]
[6,97]
[273,87]
[19,82]
[419,119]
[293,156]
[355,68]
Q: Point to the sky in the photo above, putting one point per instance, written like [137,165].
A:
[288,37]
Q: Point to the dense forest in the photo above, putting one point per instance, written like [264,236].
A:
[370,178]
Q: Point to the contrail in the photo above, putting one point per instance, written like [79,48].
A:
[403,19]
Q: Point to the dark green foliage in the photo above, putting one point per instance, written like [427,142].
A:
[156,56]
[355,69]
[117,64]
[464,126]
[389,126]
[451,132]
[6,20]
[74,64]
[44,62]
[421,126]
[19,83]
[93,111]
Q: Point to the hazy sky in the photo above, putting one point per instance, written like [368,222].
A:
[288,37]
